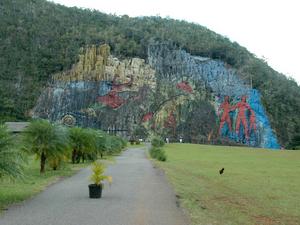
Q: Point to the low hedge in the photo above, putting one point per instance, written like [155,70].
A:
[157,142]
[158,153]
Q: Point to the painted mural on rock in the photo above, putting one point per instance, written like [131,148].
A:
[240,116]
[173,93]
[243,119]
[100,91]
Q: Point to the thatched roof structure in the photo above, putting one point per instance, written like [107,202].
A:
[16,127]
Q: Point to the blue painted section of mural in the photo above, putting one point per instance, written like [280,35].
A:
[78,85]
[267,137]
[104,88]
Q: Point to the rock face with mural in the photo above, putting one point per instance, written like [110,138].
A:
[172,93]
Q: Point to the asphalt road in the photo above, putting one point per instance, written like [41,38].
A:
[139,195]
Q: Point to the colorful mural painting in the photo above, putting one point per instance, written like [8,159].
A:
[243,117]
[173,94]
[225,117]
[249,120]
[238,112]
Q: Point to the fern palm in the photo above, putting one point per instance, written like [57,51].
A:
[98,174]
[11,159]
[46,140]
[82,141]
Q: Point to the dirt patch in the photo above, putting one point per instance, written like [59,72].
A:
[280,219]
[264,220]
[288,219]
[240,203]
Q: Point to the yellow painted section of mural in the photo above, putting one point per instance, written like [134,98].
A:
[169,107]
[96,64]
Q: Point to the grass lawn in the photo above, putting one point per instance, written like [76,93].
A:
[257,187]
[34,182]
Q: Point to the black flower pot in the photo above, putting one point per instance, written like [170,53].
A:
[95,190]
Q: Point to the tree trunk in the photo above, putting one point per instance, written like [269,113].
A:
[43,162]
[78,157]
[74,155]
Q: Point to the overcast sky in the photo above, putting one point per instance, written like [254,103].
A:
[267,28]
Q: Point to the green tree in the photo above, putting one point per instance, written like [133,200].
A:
[100,143]
[11,159]
[157,142]
[140,132]
[114,144]
[295,143]
[46,140]
[82,141]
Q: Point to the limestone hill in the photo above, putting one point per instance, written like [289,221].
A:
[138,75]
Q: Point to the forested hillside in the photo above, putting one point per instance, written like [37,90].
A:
[39,38]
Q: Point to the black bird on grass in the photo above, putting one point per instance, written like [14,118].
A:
[221,171]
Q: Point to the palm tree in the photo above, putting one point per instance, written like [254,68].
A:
[114,144]
[82,141]
[100,142]
[11,159]
[46,140]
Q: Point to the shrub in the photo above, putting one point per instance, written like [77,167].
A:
[158,153]
[123,142]
[99,144]
[157,142]
[11,159]
[114,144]
[131,141]
[98,174]
[56,162]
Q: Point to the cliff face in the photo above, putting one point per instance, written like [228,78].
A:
[239,120]
[175,94]
[99,91]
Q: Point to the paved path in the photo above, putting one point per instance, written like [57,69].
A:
[139,195]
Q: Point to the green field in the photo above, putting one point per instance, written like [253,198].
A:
[33,182]
[257,187]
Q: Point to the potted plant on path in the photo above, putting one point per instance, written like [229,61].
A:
[95,189]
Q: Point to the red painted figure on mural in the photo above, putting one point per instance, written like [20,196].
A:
[242,106]
[225,115]
[147,117]
[112,99]
[184,85]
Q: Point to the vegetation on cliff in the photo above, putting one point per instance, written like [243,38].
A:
[40,38]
